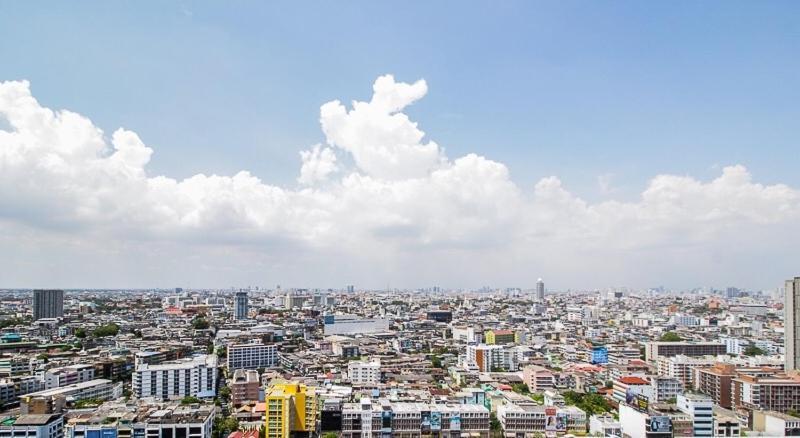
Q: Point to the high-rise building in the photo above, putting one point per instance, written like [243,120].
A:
[252,356]
[539,290]
[240,305]
[48,303]
[196,377]
[291,409]
[792,324]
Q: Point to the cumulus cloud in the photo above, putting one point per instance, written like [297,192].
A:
[402,203]
[318,163]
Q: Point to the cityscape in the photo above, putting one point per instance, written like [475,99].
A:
[347,362]
[372,219]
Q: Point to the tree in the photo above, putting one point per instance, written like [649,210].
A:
[106,330]
[222,351]
[80,333]
[190,400]
[752,350]
[670,337]
[520,388]
[494,425]
[330,435]
[225,393]
[200,323]
[436,362]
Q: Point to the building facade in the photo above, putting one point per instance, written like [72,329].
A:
[252,356]
[48,303]
[196,377]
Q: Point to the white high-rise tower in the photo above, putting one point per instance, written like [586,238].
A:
[539,290]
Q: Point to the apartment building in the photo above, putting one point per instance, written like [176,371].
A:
[654,350]
[195,376]
[68,375]
[528,419]
[245,386]
[32,426]
[500,337]
[361,373]
[291,408]
[700,408]
[538,378]
[665,388]
[50,401]
[681,367]
[491,357]
[631,385]
[779,393]
[252,356]
[715,382]
[144,421]
[413,420]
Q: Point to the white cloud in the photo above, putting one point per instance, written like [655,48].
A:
[404,210]
[318,163]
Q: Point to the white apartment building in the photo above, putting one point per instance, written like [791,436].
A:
[681,367]
[364,372]
[700,407]
[492,357]
[252,356]
[666,388]
[196,376]
[351,325]
[33,426]
[68,375]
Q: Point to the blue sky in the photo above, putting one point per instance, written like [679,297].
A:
[603,96]
[574,89]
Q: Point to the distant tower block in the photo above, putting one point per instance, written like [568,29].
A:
[539,290]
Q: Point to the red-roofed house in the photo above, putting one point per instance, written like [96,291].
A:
[627,385]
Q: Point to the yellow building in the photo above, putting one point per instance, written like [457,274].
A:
[291,410]
[499,337]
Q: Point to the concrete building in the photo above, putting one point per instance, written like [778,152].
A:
[240,305]
[715,382]
[291,409]
[48,303]
[361,373]
[491,358]
[632,385]
[539,290]
[538,378]
[499,337]
[682,367]
[351,325]
[144,420]
[769,393]
[51,401]
[245,387]
[413,419]
[32,426]
[600,425]
[252,356]
[196,377]
[654,350]
[700,408]
[665,388]
[792,324]
[771,423]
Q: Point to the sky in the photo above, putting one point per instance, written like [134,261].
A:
[458,144]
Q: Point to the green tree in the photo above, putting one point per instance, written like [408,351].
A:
[330,435]
[752,350]
[222,351]
[494,425]
[106,330]
[436,362]
[670,337]
[225,393]
[520,388]
[190,400]
[200,323]
[80,333]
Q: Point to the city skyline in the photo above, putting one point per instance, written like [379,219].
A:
[101,192]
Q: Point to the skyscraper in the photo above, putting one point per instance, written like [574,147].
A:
[539,290]
[792,324]
[48,303]
[240,305]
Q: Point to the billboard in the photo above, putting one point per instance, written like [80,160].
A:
[436,421]
[660,424]
[455,422]
[561,422]
[642,403]
[550,420]
[425,427]
[599,355]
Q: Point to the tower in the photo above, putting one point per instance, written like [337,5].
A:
[240,305]
[48,303]
[539,290]
[792,324]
